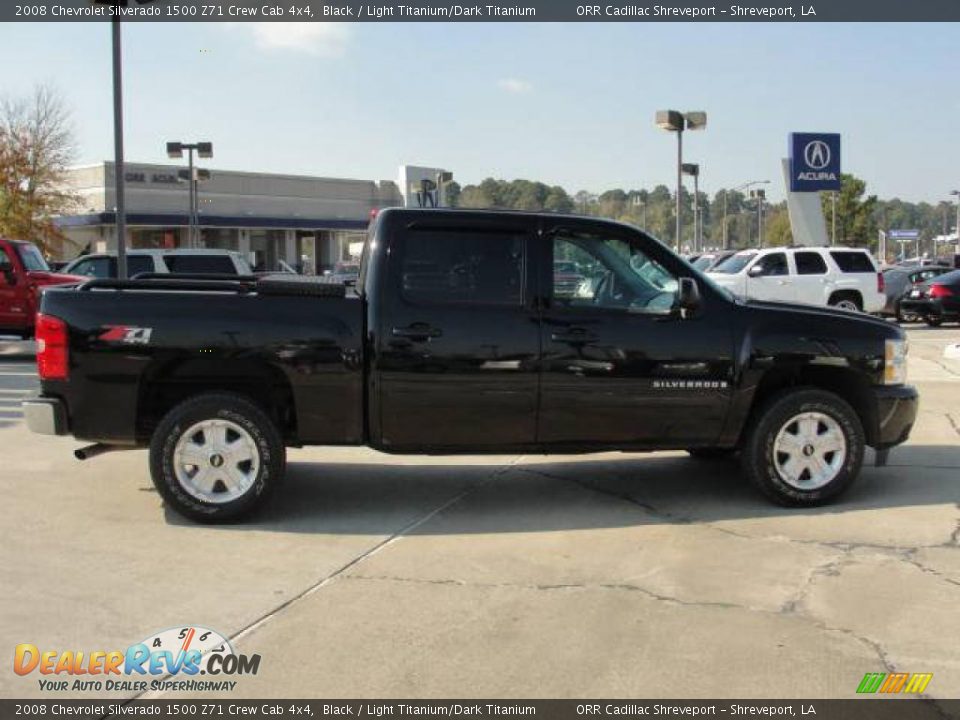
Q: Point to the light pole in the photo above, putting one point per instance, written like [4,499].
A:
[833,218]
[956,249]
[738,188]
[693,169]
[203,150]
[675,121]
[759,194]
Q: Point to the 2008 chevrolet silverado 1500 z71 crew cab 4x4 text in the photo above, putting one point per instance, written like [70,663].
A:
[459,338]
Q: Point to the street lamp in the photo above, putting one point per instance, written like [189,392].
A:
[738,188]
[203,150]
[693,169]
[675,121]
[957,248]
[759,195]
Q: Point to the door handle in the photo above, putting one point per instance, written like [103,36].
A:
[417,331]
[574,335]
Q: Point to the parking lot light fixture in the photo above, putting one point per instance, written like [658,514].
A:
[676,121]
[204,150]
[738,188]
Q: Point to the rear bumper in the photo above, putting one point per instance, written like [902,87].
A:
[896,412]
[927,308]
[46,416]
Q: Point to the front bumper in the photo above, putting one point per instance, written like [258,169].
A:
[46,416]
[896,412]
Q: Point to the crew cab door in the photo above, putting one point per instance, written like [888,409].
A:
[768,278]
[621,366]
[457,338]
[12,297]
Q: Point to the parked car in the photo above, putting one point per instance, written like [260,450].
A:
[23,274]
[460,340]
[841,277]
[567,278]
[899,281]
[708,260]
[345,272]
[936,301]
[179,261]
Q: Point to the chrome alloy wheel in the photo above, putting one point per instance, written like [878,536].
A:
[809,451]
[216,461]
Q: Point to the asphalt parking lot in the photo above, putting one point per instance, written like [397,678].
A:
[607,575]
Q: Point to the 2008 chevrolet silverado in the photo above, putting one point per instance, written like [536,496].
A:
[462,337]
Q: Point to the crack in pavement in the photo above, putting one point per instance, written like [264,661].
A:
[832,567]
[370,552]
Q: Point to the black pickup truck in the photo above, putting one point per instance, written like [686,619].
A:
[459,337]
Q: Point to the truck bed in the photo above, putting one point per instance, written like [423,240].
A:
[145,342]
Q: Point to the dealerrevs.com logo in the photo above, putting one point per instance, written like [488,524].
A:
[191,659]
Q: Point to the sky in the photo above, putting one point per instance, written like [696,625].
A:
[571,104]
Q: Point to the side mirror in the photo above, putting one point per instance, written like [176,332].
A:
[688,296]
[755,270]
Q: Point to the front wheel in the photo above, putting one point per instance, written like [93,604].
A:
[933,321]
[216,457]
[804,447]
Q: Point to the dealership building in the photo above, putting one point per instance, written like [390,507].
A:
[309,223]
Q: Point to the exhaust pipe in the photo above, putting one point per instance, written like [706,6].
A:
[91,451]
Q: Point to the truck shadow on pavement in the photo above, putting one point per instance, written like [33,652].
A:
[549,494]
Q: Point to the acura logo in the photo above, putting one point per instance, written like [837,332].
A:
[817,154]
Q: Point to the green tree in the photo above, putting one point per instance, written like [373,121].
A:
[856,224]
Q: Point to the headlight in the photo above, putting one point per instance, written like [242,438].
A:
[895,362]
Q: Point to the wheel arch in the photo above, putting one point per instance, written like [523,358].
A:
[846,383]
[165,384]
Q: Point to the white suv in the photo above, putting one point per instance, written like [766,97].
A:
[843,277]
[174,261]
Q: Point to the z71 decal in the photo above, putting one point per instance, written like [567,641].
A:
[126,334]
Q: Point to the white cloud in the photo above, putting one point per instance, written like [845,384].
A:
[316,38]
[516,86]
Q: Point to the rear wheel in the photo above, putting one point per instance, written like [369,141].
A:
[804,447]
[216,457]
[933,321]
[847,301]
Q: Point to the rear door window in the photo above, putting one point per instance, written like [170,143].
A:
[810,263]
[137,264]
[853,261]
[207,264]
[462,266]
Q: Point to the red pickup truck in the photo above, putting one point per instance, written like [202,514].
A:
[23,271]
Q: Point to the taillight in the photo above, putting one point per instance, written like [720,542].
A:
[940,291]
[52,352]
[881,283]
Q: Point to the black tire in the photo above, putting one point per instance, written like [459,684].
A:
[234,409]
[847,300]
[710,453]
[903,317]
[933,321]
[757,456]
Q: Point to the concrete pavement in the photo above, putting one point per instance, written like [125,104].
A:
[601,575]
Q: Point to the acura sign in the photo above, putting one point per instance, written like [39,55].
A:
[814,162]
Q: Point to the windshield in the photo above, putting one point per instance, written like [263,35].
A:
[32,259]
[703,262]
[734,264]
